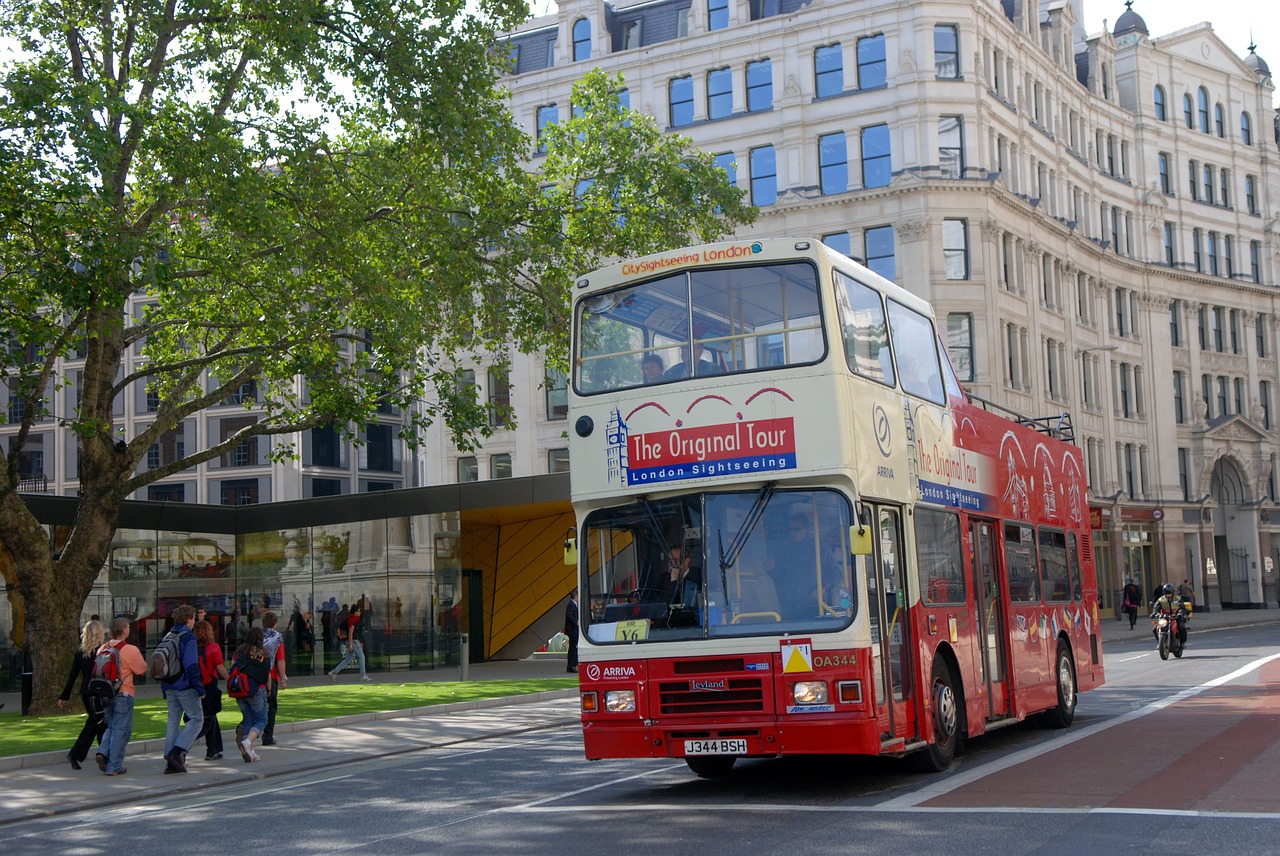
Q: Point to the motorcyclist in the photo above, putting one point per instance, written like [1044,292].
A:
[1169,604]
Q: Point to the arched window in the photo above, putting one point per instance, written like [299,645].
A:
[1219,120]
[1202,102]
[1158,99]
[1186,110]
[581,39]
[1246,129]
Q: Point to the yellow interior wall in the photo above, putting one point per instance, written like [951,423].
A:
[523,570]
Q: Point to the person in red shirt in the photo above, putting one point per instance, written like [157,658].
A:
[119,712]
[355,644]
[212,667]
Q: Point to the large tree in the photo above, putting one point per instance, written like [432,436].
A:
[325,201]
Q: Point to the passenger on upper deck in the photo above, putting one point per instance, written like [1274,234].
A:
[651,367]
[692,364]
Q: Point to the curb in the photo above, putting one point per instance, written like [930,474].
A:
[156,744]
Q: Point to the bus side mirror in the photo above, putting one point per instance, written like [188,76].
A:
[571,548]
[860,540]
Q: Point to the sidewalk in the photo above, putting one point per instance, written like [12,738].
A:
[44,784]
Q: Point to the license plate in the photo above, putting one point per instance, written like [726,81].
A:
[735,746]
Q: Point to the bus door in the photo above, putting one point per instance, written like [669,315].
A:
[890,643]
[991,622]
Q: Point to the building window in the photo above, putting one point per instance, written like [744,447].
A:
[1179,406]
[468,470]
[1211,244]
[728,162]
[759,85]
[1163,162]
[877,243]
[680,100]
[828,70]
[1251,194]
[1219,120]
[379,452]
[500,466]
[1224,183]
[1206,394]
[167,493]
[1187,113]
[833,164]
[1202,105]
[1208,184]
[557,387]
[1195,250]
[1219,332]
[499,398]
[960,343]
[839,241]
[871,62]
[1158,100]
[245,454]
[1264,401]
[1260,329]
[955,248]
[325,487]
[548,114]
[1193,178]
[763,8]
[581,39]
[238,492]
[1222,395]
[764,176]
[1255,260]
[1170,257]
[557,460]
[1228,256]
[631,34]
[1184,473]
[326,446]
[946,51]
[951,146]
[1246,129]
[877,165]
[717,16]
[719,93]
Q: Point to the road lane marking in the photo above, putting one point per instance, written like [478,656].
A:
[789,808]
[960,780]
[1137,657]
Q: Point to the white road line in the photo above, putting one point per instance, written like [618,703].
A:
[789,808]
[1127,659]
[960,780]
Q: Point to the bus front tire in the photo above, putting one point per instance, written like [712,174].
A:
[711,766]
[939,754]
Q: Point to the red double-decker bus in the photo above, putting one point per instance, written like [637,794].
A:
[796,533]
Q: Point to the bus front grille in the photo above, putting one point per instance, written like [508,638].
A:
[702,667]
[737,695]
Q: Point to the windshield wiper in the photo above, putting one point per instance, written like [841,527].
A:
[739,540]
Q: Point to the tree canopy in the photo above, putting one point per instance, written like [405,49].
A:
[328,203]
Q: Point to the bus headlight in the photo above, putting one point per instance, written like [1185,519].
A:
[809,692]
[620,701]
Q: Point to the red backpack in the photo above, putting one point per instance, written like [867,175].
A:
[107,676]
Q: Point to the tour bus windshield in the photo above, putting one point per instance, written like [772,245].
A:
[719,564]
[709,321]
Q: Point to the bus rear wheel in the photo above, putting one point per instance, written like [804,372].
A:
[946,722]
[1062,715]
[711,766]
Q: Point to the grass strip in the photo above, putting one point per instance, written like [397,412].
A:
[21,735]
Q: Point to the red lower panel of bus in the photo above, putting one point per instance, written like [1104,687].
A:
[814,737]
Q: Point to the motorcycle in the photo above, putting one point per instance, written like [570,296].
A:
[1168,637]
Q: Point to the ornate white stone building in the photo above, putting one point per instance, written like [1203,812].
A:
[1094,218]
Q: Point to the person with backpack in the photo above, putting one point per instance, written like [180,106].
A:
[355,644]
[176,663]
[211,668]
[273,642]
[91,639]
[119,713]
[247,684]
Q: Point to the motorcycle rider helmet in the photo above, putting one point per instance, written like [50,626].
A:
[1168,588]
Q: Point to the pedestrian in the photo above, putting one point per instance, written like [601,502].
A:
[1132,597]
[354,645]
[119,712]
[251,658]
[91,639]
[184,694]
[273,643]
[212,667]
[571,630]
[1187,591]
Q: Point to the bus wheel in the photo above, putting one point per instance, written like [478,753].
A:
[1062,715]
[946,722]
[711,766]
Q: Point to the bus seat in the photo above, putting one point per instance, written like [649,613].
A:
[758,599]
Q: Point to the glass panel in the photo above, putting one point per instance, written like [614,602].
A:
[866,334]
[878,251]
[828,70]
[743,319]
[681,101]
[764,176]
[914,349]
[877,163]
[719,93]
[1019,555]
[871,62]
[759,85]
[938,557]
[719,564]
[1053,566]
